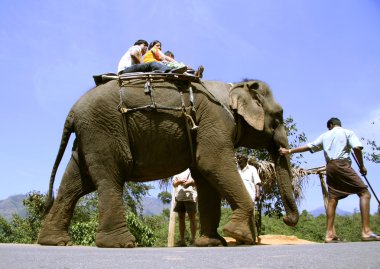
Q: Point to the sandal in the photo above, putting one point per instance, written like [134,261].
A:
[371,237]
[335,239]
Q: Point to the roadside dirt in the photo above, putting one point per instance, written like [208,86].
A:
[274,239]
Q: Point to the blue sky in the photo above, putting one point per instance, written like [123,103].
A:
[320,57]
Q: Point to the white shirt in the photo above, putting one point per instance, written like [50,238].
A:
[190,191]
[336,143]
[126,59]
[250,178]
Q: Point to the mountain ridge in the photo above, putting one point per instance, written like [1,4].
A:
[13,205]
[151,206]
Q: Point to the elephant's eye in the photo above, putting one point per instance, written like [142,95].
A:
[276,123]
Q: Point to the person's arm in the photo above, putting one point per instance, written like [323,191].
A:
[357,147]
[177,181]
[163,57]
[359,156]
[257,191]
[284,151]
[189,182]
[256,183]
[135,55]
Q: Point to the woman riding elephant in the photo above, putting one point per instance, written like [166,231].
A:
[152,139]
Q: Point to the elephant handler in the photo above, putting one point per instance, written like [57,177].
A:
[250,176]
[342,180]
[186,201]
[252,183]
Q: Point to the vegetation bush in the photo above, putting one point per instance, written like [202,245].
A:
[153,230]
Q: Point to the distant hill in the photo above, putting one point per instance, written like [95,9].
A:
[321,211]
[152,206]
[13,205]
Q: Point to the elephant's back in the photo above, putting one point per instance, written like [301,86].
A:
[104,98]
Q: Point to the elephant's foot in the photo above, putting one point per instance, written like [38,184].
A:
[54,238]
[240,231]
[120,238]
[205,241]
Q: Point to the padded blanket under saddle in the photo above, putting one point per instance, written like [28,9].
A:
[104,78]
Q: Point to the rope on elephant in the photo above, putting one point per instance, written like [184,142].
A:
[188,112]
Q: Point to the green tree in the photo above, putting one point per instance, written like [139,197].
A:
[6,231]
[373,153]
[24,230]
[271,203]
[165,197]
[133,195]
[85,218]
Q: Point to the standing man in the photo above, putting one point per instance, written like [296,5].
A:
[250,177]
[342,180]
[252,183]
[186,201]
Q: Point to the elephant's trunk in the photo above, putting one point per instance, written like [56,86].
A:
[284,177]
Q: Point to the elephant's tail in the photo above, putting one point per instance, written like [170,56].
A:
[67,130]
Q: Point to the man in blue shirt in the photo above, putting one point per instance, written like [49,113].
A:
[342,180]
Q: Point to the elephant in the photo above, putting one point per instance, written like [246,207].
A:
[145,129]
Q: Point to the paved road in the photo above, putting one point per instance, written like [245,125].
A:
[344,255]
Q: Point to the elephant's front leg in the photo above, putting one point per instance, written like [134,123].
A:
[240,226]
[209,203]
[112,230]
[224,177]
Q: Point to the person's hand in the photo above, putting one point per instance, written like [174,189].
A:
[188,182]
[363,170]
[283,151]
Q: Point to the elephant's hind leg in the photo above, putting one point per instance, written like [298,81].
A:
[112,230]
[55,226]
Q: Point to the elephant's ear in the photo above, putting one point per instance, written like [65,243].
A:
[247,106]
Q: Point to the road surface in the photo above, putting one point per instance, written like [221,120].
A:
[343,255]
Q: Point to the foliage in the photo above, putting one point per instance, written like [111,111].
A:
[311,228]
[145,237]
[83,233]
[159,224]
[24,230]
[6,231]
[314,228]
[373,155]
[271,203]
[165,197]
[84,222]
[86,208]
[133,194]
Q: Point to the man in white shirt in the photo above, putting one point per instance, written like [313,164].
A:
[249,176]
[252,183]
[342,180]
[134,55]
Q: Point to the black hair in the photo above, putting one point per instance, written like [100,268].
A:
[141,41]
[333,122]
[154,42]
[169,53]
